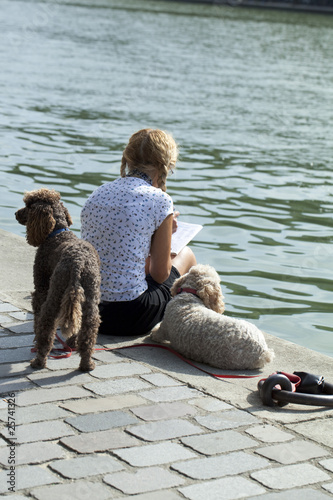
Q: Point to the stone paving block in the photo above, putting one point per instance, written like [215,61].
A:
[33,453]
[226,420]
[117,386]
[219,442]
[164,411]
[21,315]
[3,404]
[166,394]
[101,421]
[297,494]
[7,307]
[4,320]
[154,454]
[107,356]
[91,465]
[60,378]
[40,431]
[28,477]
[164,430]
[36,413]
[290,453]
[17,341]
[100,441]
[210,404]
[37,396]
[14,384]
[15,369]
[293,476]
[143,480]
[71,363]
[162,495]
[95,405]
[19,497]
[161,380]
[318,430]
[327,464]
[232,488]
[219,466]
[119,370]
[27,327]
[78,490]
[15,355]
[269,434]
[328,487]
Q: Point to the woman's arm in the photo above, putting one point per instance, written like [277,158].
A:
[160,251]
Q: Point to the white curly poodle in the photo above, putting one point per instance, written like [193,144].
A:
[197,329]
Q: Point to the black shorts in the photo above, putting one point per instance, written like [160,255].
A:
[138,316]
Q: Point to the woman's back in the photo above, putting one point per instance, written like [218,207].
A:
[119,219]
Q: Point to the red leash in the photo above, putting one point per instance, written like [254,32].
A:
[68,352]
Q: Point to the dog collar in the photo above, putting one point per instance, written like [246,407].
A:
[187,290]
[57,231]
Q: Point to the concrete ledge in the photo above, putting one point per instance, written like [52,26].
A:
[17,258]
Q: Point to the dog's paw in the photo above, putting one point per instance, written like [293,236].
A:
[155,329]
[156,333]
[38,363]
[87,366]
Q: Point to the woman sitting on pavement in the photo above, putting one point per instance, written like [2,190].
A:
[130,222]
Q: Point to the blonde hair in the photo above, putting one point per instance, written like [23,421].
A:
[150,151]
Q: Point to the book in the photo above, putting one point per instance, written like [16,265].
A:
[184,234]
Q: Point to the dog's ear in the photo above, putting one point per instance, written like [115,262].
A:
[211,295]
[40,223]
[67,215]
[177,284]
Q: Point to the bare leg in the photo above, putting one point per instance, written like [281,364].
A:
[159,333]
[184,260]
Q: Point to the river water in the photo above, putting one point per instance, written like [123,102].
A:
[247,94]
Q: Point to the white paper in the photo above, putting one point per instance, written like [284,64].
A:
[184,234]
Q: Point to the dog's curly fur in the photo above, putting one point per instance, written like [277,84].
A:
[197,329]
[66,278]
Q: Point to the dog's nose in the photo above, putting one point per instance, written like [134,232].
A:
[21,216]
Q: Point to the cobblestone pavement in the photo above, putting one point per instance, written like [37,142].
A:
[145,425]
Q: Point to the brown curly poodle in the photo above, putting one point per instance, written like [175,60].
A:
[66,278]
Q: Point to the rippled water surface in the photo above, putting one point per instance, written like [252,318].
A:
[248,95]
